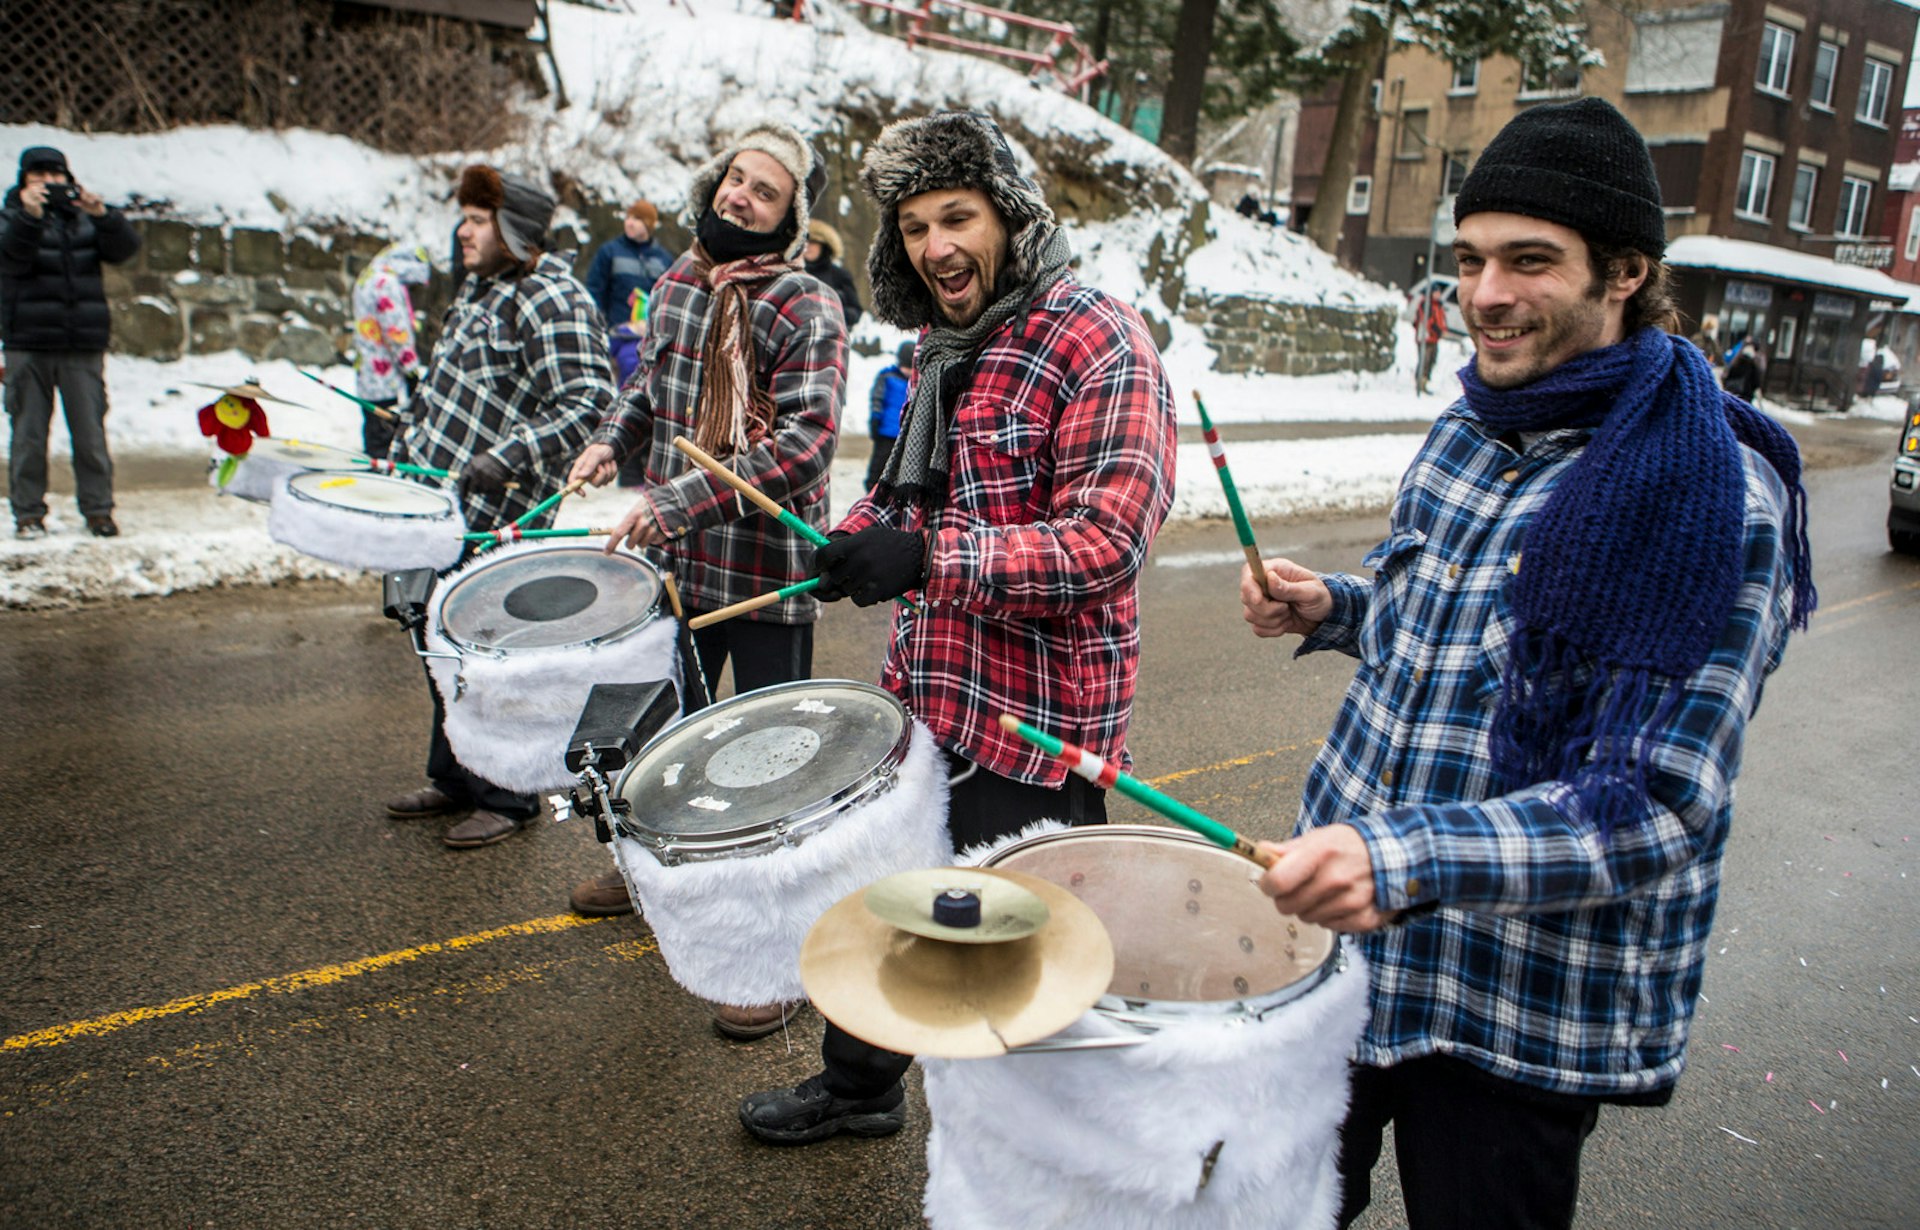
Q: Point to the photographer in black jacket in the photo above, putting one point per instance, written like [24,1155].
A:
[54,237]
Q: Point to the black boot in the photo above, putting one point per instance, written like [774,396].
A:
[807,1112]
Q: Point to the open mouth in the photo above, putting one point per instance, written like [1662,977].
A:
[954,286]
[739,220]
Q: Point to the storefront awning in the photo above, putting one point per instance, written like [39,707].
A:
[1786,265]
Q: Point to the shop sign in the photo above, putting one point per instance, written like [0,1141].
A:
[1864,255]
[1747,294]
[1833,305]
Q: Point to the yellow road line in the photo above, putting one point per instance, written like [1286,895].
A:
[327,974]
[287,983]
[1862,600]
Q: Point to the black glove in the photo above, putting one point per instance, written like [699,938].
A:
[871,566]
[485,475]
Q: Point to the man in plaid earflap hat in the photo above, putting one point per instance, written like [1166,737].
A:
[1522,809]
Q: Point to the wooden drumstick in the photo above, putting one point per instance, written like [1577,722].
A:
[1096,770]
[673,591]
[753,604]
[765,502]
[550,501]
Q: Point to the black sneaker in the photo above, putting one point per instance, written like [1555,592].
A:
[807,1112]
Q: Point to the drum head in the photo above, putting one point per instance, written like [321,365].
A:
[381,494]
[1187,923]
[304,453]
[550,598]
[776,757]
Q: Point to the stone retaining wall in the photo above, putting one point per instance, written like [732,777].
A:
[1292,339]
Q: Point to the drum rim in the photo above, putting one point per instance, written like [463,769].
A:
[789,830]
[482,563]
[1146,1015]
[294,491]
[272,442]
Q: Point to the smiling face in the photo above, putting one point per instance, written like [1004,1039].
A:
[755,193]
[1530,297]
[481,250]
[958,245]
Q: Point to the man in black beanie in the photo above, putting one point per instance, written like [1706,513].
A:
[1033,467]
[1522,809]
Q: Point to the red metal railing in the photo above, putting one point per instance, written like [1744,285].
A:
[1066,61]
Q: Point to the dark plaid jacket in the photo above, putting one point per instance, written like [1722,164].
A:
[725,549]
[1061,454]
[520,371]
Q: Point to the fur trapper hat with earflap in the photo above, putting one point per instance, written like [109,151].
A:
[827,238]
[521,209]
[785,146]
[948,149]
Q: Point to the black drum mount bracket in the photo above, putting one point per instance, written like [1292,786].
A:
[618,720]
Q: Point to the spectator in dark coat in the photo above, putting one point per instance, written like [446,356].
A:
[1747,373]
[54,237]
[823,254]
[633,260]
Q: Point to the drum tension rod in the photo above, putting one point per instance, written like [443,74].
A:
[600,802]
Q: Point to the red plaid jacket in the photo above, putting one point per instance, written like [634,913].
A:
[724,549]
[1062,455]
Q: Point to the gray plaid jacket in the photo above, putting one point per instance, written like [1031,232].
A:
[521,371]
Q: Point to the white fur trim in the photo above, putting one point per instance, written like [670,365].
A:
[256,478]
[511,722]
[362,540]
[1116,1139]
[730,929]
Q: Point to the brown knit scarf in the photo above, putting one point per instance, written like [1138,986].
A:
[734,413]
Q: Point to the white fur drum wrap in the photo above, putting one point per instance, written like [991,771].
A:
[730,929]
[1117,1139]
[512,721]
[358,540]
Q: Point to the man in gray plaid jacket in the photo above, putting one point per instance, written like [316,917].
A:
[517,382]
[746,354]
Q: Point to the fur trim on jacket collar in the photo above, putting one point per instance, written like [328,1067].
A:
[784,145]
[948,149]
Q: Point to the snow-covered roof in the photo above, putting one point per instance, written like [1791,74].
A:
[1765,260]
[1902,176]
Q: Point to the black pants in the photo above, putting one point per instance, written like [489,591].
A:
[762,653]
[982,808]
[79,377]
[1476,1152]
[877,464]
[376,433]
[458,782]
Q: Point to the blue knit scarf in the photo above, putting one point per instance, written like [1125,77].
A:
[1629,571]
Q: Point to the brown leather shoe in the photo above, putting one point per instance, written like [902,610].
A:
[428,801]
[746,1024]
[482,828]
[601,897]
[102,527]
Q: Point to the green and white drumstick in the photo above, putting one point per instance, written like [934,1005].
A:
[513,533]
[754,603]
[361,402]
[1095,769]
[1241,525]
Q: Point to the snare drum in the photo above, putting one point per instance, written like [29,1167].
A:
[372,521]
[518,637]
[1205,1090]
[750,818]
[272,458]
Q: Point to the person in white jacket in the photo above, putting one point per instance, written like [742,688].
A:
[387,354]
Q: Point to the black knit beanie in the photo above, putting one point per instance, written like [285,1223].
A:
[1577,163]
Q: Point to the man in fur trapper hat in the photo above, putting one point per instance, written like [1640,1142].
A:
[1592,566]
[517,381]
[1033,467]
[747,356]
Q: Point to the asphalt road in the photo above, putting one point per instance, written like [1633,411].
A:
[235,994]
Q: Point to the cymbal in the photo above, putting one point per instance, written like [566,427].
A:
[922,996]
[246,388]
[1005,910]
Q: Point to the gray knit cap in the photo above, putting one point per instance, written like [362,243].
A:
[1581,164]
[948,149]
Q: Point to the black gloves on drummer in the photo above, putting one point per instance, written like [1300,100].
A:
[485,475]
[874,565]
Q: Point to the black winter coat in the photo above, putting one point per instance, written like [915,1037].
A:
[834,275]
[51,293]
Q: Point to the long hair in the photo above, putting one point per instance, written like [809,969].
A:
[1653,304]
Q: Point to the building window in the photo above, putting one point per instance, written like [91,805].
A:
[1826,67]
[1875,85]
[1563,79]
[1913,235]
[1806,181]
[1855,196]
[1776,59]
[1674,51]
[1784,338]
[1756,185]
[1360,195]
[1466,77]
[1413,136]
[1455,172]
[1679,166]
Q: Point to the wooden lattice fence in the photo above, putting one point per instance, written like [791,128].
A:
[406,82]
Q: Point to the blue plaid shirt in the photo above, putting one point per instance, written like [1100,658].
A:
[1534,949]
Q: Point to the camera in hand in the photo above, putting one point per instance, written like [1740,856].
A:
[62,194]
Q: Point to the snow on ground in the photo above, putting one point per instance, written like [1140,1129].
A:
[177,538]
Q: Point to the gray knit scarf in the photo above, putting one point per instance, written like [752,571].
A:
[917,469]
